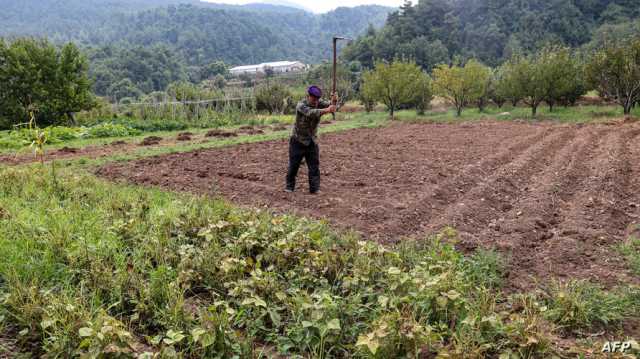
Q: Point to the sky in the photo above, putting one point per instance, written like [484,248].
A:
[318,6]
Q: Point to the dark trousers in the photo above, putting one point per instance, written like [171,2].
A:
[311,153]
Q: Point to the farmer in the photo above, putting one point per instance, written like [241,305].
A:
[304,141]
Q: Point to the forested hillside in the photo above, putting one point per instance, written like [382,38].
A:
[240,37]
[67,19]
[434,31]
[140,46]
[200,32]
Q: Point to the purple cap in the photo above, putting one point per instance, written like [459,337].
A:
[314,91]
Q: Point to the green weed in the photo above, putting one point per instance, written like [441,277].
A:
[96,269]
[580,305]
[630,249]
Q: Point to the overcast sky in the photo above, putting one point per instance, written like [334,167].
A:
[319,6]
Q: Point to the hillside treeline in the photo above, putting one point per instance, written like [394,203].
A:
[141,46]
[196,31]
[492,31]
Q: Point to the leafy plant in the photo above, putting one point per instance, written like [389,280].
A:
[461,84]
[110,130]
[395,84]
[582,305]
[97,269]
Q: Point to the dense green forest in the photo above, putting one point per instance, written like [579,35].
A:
[141,46]
[434,31]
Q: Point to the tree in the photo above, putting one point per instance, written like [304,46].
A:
[123,88]
[219,81]
[185,91]
[213,69]
[524,78]
[424,94]
[493,92]
[461,85]
[149,68]
[393,84]
[37,76]
[561,73]
[615,73]
[322,75]
[273,97]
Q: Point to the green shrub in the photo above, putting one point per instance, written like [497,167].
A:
[194,277]
[583,305]
[110,130]
[59,134]
[630,249]
[7,142]
[273,97]
[152,125]
[22,137]
[486,268]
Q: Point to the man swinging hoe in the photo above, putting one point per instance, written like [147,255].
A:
[304,138]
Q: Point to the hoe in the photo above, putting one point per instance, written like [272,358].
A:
[335,65]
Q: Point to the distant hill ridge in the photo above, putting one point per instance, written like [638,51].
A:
[201,32]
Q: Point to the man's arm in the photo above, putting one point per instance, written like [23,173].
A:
[334,102]
[324,104]
[308,110]
[315,112]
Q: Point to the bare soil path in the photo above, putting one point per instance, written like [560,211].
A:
[555,198]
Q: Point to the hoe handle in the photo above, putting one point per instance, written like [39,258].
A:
[335,65]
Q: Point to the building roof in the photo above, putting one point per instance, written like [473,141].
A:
[265,64]
[246,67]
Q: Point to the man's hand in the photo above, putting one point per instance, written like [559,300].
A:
[334,98]
[330,109]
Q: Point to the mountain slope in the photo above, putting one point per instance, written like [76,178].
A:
[61,18]
[491,30]
[198,31]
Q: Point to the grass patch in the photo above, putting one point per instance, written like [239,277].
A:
[580,305]
[348,123]
[92,268]
[128,127]
[630,249]
[577,114]
[101,132]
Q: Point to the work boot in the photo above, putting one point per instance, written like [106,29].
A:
[289,190]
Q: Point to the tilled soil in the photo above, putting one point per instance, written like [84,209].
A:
[66,153]
[554,198]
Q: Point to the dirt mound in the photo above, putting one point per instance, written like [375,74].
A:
[184,136]
[118,143]
[220,133]
[150,141]
[279,128]
[253,131]
[554,198]
[66,149]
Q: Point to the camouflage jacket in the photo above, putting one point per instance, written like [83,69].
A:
[307,120]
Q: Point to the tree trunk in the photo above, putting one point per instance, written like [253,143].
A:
[391,108]
[458,110]
[551,103]
[627,110]
[534,110]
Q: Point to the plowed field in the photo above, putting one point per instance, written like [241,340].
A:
[554,198]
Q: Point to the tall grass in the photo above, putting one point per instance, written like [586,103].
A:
[91,268]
